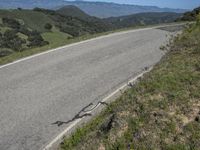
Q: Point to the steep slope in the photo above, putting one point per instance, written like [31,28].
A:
[98,9]
[143,19]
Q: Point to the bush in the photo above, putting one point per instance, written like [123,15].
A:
[12,23]
[24,30]
[198,20]
[46,11]
[5,52]
[48,26]
[70,30]
[1,40]
[36,39]
[11,40]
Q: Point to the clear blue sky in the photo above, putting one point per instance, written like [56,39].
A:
[188,4]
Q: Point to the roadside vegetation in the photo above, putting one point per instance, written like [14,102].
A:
[191,15]
[143,19]
[162,111]
[27,32]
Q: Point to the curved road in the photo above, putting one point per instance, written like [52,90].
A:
[53,86]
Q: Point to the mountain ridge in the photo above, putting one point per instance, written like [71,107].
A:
[97,9]
[141,19]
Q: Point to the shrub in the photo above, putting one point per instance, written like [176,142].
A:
[70,30]
[5,52]
[36,39]
[198,20]
[48,26]
[11,40]
[24,30]
[46,11]
[12,23]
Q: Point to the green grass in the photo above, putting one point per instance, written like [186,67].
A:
[55,38]
[32,19]
[160,112]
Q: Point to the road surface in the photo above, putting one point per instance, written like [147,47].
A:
[56,85]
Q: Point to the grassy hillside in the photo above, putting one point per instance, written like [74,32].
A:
[17,36]
[143,19]
[32,19]
[22,30]
[162,111]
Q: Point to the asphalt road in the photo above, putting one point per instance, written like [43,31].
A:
[54,86]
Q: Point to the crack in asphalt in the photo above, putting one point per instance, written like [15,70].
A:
[79,115]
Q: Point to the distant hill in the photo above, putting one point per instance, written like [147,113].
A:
[93,22]
[97,9]
[104,10]
[143,19]
[71,10]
